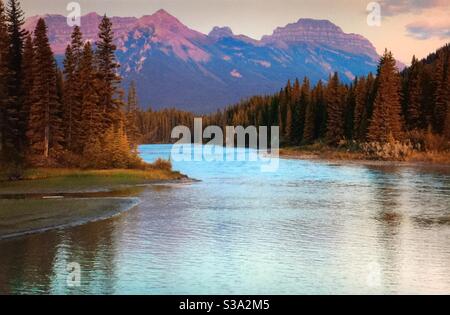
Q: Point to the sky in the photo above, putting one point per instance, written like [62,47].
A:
[407,27]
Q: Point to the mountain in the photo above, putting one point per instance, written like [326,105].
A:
[174,65]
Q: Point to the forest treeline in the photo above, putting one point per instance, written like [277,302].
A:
[407,110]
[73,117]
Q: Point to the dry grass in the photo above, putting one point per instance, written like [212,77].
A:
[58,180]
[323,152]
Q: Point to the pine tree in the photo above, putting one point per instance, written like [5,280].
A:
[386,121]
[27,82]
[91,118]
[310,120]
[132,117]
[72,92]
[304,101]
[349,111]
[321,110]
[15,20]
[45,123]
[360,109]
[414,115]
[335,111]
[440,94]
[4,76]
[107,73]
[297,113]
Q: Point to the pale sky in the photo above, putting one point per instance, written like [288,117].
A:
[407,27]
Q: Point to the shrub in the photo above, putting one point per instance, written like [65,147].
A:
[390,150]
[427,141]
[162,164]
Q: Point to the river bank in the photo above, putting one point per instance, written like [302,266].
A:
[354,157]
[58,198]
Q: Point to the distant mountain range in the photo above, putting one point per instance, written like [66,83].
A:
[175,66]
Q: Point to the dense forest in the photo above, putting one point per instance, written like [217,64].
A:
[407,110]
[79,116]
[74,117]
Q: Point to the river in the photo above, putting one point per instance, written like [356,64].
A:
[311,227]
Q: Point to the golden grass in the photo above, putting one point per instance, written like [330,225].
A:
[59,180]
[327,153]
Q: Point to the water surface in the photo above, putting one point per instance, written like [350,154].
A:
[311,227]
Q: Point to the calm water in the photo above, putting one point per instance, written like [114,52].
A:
[311,227]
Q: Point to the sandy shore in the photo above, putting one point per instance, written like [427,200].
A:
[30,216]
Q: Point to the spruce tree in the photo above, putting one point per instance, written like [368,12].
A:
[310,119]
[414,114]
[45,122]
[386,121]
[440,93]
[349,111]
[15,20]
[72,92]
[132,117]
[91,118]
[27,82]
[304,101]
[321,110]
[107,72]
[335,111]
[4,76]
[360,109]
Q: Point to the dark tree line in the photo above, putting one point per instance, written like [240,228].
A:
[375,108]
[73,117]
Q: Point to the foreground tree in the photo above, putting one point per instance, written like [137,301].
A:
[15,19]
[4,91]
[107,74]
[386,121]
[45,133]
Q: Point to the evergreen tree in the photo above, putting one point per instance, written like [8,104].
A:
[321,110]
[45,123]
[414,115]
[132,116]
[297,113]
[27,82]
[440,94]
[310,120]
[335,111]
[91,118]
[304,102]
[4,76]
[360,109]
[386,121]
[72,92]
[15,20]
[107,72]
[349,111]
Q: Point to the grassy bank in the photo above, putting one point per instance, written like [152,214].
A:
[45,180]
[323,152]
[18,217]
[26,207]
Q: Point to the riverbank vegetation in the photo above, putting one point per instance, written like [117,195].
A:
[388,116]
[59,180]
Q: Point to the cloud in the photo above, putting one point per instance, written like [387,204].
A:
[398,7]
[235,74]
[425,30]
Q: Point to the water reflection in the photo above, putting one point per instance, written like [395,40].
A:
[311,227]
